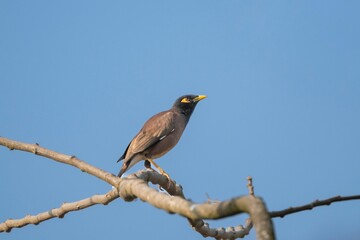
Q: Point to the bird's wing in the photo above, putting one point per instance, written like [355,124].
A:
[154,130]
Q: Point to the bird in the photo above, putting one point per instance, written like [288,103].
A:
[159,134]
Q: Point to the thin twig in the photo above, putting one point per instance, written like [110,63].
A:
[250,186]
[316,203]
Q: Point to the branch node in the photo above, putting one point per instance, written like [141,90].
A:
[7,227]
[220,231]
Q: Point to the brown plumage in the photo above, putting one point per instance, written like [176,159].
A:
[159,134]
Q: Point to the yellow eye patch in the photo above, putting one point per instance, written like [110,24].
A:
[185,100]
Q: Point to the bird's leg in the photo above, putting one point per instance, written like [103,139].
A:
[147,164]
[159,168]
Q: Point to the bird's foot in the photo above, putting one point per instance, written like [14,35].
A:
[169,181]
[166,175]
[148,162]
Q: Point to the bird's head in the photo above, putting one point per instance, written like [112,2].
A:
[187,103]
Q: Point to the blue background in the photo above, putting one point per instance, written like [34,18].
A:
[283,86]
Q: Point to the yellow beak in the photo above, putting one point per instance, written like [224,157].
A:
[199,98]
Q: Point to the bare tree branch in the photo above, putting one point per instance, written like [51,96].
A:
[254,206]
[132,187]
[59,212]
[59,157]
[316,203]
[223,233]
[199,225]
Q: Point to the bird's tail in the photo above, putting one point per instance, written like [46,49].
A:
[124,154]
[123,169]
[120,173]
[121,158]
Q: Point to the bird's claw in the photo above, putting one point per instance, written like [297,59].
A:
[169,181]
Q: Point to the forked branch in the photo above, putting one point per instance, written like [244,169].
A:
[133,187]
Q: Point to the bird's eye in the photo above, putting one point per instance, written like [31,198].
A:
[185,100]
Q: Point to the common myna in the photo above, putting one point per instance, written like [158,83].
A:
[159,134]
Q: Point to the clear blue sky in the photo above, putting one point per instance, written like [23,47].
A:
[283,86]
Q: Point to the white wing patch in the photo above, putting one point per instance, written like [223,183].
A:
[166,135]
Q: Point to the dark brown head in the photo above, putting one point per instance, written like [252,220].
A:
[187,103]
